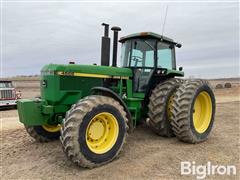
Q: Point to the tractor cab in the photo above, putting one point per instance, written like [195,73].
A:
[148,54]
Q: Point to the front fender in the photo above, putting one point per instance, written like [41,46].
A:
[108,92]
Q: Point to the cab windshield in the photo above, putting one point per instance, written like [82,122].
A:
[143,53]
[6,85]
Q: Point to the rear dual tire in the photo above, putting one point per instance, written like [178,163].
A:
[160,106]
[182,108]
[193,111]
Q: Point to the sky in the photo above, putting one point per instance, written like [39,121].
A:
[37,33]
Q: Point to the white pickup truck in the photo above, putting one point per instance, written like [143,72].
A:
[8,94]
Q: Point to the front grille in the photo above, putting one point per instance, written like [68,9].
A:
[7,94]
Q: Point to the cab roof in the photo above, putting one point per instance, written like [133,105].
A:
[147,35]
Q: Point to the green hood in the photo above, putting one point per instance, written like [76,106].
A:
[89,69]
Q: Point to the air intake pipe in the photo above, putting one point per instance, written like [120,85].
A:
[115,30]
[105,48]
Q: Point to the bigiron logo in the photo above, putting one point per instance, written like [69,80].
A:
[202,171]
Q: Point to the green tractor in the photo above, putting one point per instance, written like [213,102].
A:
[92,108]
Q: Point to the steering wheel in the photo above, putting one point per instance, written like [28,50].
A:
[136,59]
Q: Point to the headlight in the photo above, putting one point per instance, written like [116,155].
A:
[44,83]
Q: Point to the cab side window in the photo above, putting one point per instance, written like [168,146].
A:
[164,56]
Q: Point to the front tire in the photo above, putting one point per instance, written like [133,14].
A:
[193,111]
[44,133]
[94,131]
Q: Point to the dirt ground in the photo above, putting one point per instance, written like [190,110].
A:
[145,155]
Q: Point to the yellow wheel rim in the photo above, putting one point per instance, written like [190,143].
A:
[51,128]
[169,107]
[102,133]
[202,112]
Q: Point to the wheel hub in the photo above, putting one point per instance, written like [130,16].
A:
[102,132]
[202,112]
[51,128]
[96,130]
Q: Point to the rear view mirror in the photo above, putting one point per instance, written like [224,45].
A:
[178,45]
[180,68]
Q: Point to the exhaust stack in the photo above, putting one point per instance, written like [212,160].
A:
[105,48]
[115,30]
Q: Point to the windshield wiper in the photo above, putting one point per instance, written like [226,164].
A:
[149,45]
